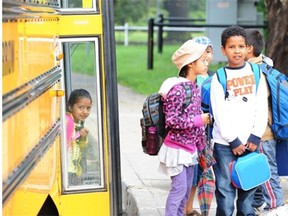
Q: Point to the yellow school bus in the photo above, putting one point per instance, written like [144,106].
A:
[50,48]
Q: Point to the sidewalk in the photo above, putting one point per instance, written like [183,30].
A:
[144,190]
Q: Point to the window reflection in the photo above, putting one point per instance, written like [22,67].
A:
[82,64]
[85,4]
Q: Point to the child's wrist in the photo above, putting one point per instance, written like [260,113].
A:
[84,138]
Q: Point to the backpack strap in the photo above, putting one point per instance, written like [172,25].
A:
[188,94]
[222,78]
[265,68]
[256,71]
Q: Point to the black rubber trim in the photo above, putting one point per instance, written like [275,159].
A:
[17,99]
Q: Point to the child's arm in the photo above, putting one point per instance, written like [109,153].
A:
[175,115]
[83,139]
[261,112]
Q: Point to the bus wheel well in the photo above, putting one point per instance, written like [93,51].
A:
[49,208]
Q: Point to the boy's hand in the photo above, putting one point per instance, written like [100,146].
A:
[239,150]
[251,146]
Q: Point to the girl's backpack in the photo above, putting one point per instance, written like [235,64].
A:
[153,116]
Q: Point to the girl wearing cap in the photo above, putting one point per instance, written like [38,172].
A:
[197,170]
[186,135]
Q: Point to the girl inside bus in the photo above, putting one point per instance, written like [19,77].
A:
[78,109]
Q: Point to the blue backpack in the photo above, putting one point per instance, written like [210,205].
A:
[278,84]
[221,76]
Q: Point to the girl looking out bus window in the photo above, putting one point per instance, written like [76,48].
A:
[78,109]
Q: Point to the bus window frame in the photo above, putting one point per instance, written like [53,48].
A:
[97,106]
[93,10]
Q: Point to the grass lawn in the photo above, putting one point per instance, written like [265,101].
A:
[132,69]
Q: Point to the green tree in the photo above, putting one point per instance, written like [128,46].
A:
[177,8]
[129,11]
[182,9]
[277,36]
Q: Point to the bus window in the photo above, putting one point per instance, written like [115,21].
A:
[81,71]
[79,4]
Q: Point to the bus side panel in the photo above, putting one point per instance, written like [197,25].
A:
[11,31]
[31,195]
[30,141]
[80,25]
[24,130]
[29,54]
[95,204]
[40,45]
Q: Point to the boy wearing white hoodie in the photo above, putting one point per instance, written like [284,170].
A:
[240,119]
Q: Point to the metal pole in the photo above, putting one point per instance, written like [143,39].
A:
[126,34]
[150,42]
[160,34]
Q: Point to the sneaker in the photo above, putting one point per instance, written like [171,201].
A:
[193,213]
[260,210]
[279,211]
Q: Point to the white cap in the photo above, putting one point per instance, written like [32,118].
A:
[189,52]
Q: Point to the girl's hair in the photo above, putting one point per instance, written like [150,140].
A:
[78,94]
[255,39]
[231,31]
[183,71]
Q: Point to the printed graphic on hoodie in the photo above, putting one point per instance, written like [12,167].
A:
[241,86]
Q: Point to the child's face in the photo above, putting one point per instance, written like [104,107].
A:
[201,64]
[235,50]
[81,109]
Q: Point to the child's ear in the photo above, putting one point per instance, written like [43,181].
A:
[190,64]
[249,48]
[69,108]
[223,51]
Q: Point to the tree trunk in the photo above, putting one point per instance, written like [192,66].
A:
[277,40]
[177,8]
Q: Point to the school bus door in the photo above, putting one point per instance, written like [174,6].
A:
[89,63]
